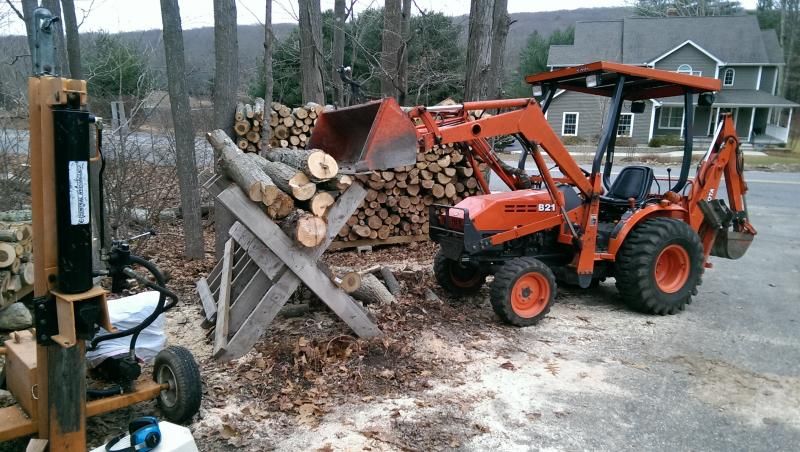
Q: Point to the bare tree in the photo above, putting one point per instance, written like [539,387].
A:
[73,39]
[390,45]
[500,25]
[311,65]
[226,84]
[478,49]
[339,19]
[184,132]
[402,71]
[269,45]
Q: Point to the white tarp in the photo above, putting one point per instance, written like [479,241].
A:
[126,313]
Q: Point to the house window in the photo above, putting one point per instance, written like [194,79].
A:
[727,79]
[625,125]
[779,117]
[687,69]
[569,125]
[671,118]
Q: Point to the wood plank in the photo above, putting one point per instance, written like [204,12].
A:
[251,295]
[14,423]
[303,261]
[146,390]
[397,240]
[206,299]
[221,333]
[266,260]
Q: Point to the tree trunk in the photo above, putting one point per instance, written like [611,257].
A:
[73,39]
[478,50]
[390,46]
[226,82]
[402,71]
[311,51]
[269,44]
[339,18]
[226,64]
[27,11]
[184,132]
[61,51]
[500,24]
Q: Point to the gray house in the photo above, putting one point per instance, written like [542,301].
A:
[734,49]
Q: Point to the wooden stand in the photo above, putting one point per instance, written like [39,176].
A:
[262,267]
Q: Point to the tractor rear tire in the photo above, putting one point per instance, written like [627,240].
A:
[659,266]
[523,291]
[456,278]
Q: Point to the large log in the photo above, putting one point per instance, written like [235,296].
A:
[318,165]
[10,235]
[7,254]
[243,169]
[372,290]
[288,179]
[320,202]
[305,228]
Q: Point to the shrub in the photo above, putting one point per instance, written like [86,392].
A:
[573,140]
[665,140]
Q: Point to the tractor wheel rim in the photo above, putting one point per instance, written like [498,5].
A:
[672,268]
[530,295]
[471,280]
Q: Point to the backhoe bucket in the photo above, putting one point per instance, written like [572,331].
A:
[731,244]
[371,136]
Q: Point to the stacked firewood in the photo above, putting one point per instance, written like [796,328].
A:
[16,261]
[294,186]
[257,125]
[397,200]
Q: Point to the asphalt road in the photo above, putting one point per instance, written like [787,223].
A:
[723,375]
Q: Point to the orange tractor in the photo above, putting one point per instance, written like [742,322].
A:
[654,235]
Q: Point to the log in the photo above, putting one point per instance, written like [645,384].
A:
[361,230]
[26,273]
[350,282]
[242,169]
[304,228]
[288,179]
[338,183]
[10,235]
[320,202]
[241,127]
[372,290]
[258,109]
[281,132]
[248,111]
[392,285]
[318,165]
[7,254]
[239,116]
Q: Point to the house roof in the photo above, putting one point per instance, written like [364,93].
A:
[740,98]
[639,40]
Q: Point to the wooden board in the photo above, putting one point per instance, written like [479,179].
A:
[223,304]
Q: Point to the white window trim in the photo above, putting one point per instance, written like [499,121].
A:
[630,128]
[661,119]
[693,44]
[563,123]
[690,70]
[725,77]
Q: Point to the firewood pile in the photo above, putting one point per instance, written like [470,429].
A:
[16,261]
[397,200]
[257,125]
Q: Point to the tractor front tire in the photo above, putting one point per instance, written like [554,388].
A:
[176,367]
[523,291]
[659,266]
[456,278]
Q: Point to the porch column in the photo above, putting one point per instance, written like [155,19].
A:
[752,121]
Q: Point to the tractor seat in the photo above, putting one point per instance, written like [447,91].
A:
[632,182]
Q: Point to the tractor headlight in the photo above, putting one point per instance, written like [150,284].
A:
[592,81]
[537,90]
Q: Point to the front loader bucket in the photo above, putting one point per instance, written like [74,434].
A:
[731,244]
[371,136]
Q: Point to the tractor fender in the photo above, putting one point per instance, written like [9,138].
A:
[631,219]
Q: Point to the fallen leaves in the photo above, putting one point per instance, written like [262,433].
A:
[508,365]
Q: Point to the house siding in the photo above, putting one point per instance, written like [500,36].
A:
[768,78]
[688,54]
[699,127]
[746,77]
[592,111]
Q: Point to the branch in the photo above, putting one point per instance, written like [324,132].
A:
[19,14]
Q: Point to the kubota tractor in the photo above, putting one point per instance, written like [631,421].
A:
[654,235]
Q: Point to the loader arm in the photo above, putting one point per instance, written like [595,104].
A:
[724,229]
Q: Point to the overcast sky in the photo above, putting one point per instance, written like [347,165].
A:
[124,15]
